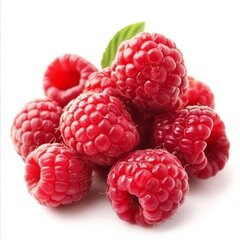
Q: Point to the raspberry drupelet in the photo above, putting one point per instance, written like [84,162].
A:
[150,71]
[35,124]
[57,175]
[197,136]
[98,127]
[65,78]
[147,186]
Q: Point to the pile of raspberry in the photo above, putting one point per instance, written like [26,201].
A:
[142,122]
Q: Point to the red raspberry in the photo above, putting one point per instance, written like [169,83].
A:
[149,70]
[196,135]
[56,174]
[147,187]
[199,93]
[65,78]
[35,124]
[101,82]
[98,127]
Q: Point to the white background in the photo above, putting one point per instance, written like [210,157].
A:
[33,33]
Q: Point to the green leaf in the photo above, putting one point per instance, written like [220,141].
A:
[122,35]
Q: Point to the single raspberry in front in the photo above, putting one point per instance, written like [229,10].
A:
[65,78]
[199,93]
[57,175]
[35,124]
[150,71]
[98,127]
[197,136]
[147,187]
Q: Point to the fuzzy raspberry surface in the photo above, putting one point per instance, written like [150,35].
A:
[35,124]
[199,93]
[98,127]
[197,136]
[65,78]
[147,187]
[149,69]
[56,175]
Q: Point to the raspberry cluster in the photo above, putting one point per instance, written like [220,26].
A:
[142,122]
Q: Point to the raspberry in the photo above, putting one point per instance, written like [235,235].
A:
[35,124]
[65,78]
[149,70]
[199,93]
[98,127]
[57,175]
[147,187]
[101,82]
[196,135]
